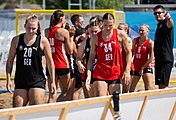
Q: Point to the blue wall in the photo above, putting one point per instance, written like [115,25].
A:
[135,19]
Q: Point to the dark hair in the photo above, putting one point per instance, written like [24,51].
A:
[158,7]
[67,26]
[34,18]
[95,21]
[87,27]
[92,19]
[108,16]
[55,18]
[75,18]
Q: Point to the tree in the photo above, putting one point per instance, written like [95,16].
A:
[112,4]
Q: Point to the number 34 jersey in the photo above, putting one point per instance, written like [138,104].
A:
[109,64]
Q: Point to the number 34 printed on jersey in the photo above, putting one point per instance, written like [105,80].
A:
[107,50]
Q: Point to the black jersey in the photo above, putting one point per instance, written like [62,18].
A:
[29,69]
[163,43]
[87,50]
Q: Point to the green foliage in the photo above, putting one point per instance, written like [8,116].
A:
[100,4]
[56,4]
[112,4]
[63,4]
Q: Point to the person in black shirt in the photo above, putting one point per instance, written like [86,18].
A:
[28,48]
[163,46]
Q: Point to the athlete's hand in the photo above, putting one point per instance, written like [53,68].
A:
[9,86]
[52,93]
[88,83]
[126,77]
[81,68]
[72,31]
[141,71]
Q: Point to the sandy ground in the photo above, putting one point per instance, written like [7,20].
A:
[6,98]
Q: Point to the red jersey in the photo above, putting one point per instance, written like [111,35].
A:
[141,54]
[109,58]
[58,50]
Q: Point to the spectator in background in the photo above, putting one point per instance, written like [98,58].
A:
[164,42]
[29,78]
[143,51]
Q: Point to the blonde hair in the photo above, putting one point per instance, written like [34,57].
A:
[126,27]
[147,26]
[33,18]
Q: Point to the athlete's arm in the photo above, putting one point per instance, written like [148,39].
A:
[125,43]
[10,60]
[50,63]
[80,55]
[93,44]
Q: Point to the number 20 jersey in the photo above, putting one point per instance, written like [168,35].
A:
[109,64]
[29,69]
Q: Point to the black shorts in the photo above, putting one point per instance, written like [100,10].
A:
[78,77]
[163,72]
[59,71]
[109,82]
[131,72]
[146,70]
[37,84]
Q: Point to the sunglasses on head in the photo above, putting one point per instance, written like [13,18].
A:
[155,13]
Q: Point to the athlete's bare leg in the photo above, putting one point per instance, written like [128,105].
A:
[147,78]
[76,91]
[92,92]
[134,82]
[66,89]
[86,92]
[36,96]
[101,88]
[20,98]
[115,87]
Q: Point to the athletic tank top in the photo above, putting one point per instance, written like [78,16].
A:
[109,64]
[29,69]
[58,50]
[86,58]
[141,54]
